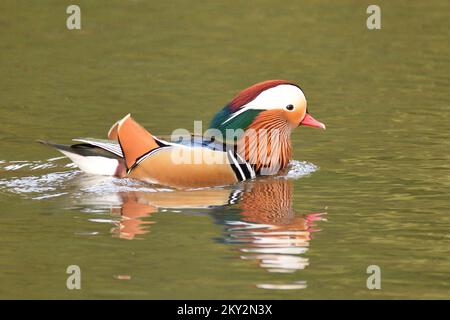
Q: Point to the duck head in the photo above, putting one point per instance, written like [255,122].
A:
[278,99]
[271,108]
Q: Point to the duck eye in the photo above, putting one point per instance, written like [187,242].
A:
[290,107]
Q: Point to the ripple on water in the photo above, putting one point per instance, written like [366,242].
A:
[38,184]
[60,183]
[276,246]
[298,169]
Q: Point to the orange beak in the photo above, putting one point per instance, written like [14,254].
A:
[308,120]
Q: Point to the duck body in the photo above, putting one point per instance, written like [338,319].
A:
[250,136]
[187,164]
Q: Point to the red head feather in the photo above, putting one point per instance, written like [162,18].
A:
[247,95]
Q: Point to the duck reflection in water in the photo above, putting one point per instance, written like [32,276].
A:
[270,232]
[131,223]
[137,205]
[259,219]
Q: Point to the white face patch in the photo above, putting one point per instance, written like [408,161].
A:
[275,98]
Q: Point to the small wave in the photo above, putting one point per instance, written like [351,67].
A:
[61,183]
[273,286]
[38,184]
[298,169]
[112,185]
[17,165]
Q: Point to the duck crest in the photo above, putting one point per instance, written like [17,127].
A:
[249,94]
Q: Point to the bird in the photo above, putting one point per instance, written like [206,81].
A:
[247,138]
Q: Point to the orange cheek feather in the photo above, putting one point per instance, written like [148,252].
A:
[294,117]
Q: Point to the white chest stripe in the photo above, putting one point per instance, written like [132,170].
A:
[236,164]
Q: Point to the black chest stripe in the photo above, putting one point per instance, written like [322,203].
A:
[241,168]
[235,166]
[246,168]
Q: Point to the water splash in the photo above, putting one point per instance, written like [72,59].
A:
[29,185]
[17,165]
[76,184]
[298,169]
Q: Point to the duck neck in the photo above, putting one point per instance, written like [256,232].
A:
[266,145]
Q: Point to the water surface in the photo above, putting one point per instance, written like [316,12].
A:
[372,189]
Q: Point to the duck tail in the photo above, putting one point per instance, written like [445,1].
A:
[92,158]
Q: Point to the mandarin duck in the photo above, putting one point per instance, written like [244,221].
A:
[249,137]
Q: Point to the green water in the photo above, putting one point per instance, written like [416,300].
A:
[371,190]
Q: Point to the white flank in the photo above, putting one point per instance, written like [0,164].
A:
[94,165]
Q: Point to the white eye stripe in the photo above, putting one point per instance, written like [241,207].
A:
[274,98]
[278,96]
